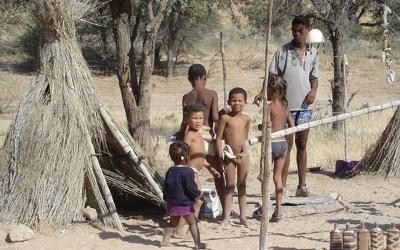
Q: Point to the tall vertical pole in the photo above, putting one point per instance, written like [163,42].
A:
[346,103]
[265,163]
[221,44]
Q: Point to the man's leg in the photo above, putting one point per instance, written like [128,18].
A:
[301,146]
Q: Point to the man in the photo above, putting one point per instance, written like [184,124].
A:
[298,65]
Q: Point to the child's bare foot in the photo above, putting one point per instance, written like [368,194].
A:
[243,221]
[224,223]
[165,244]
[180,234]
[201,246]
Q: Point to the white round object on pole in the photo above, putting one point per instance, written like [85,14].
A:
[315,36]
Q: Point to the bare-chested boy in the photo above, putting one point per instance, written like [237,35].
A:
[193,117]
[233,127]
[197,76]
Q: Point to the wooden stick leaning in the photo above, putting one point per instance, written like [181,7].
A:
[101,180]
[130,152]
[327,120]
[91,177]
[221,45]
[265,163]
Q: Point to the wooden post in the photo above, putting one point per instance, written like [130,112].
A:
[265,163]
[130,152]
[221,45]
[345,106]
[101,180]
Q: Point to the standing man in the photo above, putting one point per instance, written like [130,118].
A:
[298,65]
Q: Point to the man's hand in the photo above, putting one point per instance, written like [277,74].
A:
[258,98]
[310,98]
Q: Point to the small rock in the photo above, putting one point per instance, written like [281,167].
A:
[19,233]
[90,213]
[335,196]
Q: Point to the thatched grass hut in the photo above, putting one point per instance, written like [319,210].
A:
[49,157]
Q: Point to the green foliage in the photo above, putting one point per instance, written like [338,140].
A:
[255,11]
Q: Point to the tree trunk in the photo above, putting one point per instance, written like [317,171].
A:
[104,43]
[141,122]
[157,56]
[171,37]
[170,57]
[132,55]
[337,86]
[384,155]
[121,10]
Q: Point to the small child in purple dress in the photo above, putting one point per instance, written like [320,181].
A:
[180,192]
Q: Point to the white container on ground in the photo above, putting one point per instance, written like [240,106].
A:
[210,209]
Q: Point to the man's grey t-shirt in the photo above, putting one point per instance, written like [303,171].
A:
[297,71]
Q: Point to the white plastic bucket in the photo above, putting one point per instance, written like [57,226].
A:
[210,209]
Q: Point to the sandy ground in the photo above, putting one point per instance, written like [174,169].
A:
[363,198]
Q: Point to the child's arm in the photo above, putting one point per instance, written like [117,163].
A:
[290,120]
[220,133]
[190,187]
[182,130]
[248,121]
[214,110]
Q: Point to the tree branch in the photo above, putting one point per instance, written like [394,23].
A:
[371,24]
[150,9]
[318,17]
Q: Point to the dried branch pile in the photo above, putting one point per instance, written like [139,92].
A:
[384,156]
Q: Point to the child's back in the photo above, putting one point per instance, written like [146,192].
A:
[206,97]
[279,113]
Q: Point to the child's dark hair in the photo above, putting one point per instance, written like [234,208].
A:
[278,86]
[179,152]
[301,20]
[192,108]
[238,90]
[196,71]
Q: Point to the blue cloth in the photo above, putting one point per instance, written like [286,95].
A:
[301,117]
[179,187]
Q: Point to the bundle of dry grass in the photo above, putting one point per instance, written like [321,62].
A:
[51,146]
[384,156]
[45,155]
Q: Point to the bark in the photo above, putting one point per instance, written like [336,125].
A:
[104,43]
[120,10]
[132,55]
[337,86]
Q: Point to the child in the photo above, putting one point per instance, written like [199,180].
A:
[193,117]
[233,127]
[180,191]
[209,99]
[278,114]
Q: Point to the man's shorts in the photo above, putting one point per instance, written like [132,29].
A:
[301,116]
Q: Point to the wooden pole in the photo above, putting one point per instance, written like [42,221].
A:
[345,106]
[327,120]
[130,152]
[221,45]
[101,180]
[265,163]
[91,177]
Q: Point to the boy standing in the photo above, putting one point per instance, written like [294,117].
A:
[197,76]
[234,127]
